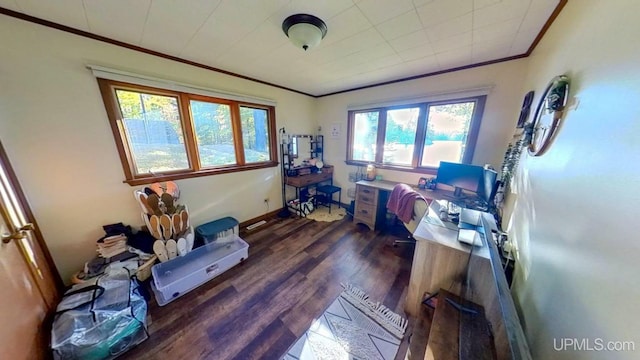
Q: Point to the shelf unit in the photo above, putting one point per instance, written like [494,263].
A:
[317,147]
[303,175]
[290,150]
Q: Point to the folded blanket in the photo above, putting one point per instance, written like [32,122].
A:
[402,200]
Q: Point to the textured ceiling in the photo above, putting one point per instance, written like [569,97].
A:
[368,41]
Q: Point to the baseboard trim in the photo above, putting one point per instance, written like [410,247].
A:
[267,216]
[271,214]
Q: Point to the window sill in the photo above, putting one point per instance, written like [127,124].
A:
[418,170]
[192,174]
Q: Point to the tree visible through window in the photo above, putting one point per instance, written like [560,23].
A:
[447,132]
[154,132]
[164,134]
[415,136]
[214,133]
[255,134]
[365,131]
[400,136]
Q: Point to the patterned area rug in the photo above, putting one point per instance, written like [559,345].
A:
[346,330]
[322,214]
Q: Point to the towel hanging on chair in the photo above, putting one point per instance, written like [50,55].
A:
[402,200]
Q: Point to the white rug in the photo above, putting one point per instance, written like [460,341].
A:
[344,331]
[322,214]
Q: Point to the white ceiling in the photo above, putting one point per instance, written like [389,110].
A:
[368,41]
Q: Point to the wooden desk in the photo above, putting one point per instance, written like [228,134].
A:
[455,334]
[308,180]
[441,261]
[371,201]
[301,181]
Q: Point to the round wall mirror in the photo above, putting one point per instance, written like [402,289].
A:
[548,114]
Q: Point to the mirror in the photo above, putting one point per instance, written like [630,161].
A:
[300,148]
[548,114]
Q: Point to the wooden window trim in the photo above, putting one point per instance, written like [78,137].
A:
[421,132]
[472,135]
[419,170]
[107,90]
[238,141]
[351,119]
[188,129]
[382,132]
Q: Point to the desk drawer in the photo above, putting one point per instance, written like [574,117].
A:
[366,213]
[306,180]
[366,195]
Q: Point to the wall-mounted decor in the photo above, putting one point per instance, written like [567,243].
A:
[521,138]
[548,114]
[335,130]
[526,108]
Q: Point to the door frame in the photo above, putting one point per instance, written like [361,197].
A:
[13,179]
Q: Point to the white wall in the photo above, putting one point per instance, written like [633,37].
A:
[500,114]
[56,133]
[575,215]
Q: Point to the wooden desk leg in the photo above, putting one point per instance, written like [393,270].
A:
[434,267]
[418,277]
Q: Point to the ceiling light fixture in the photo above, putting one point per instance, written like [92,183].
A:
[305,31]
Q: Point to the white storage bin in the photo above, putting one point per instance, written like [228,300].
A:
[177,277]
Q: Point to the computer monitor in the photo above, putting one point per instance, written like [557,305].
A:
[488,188]
[461,177]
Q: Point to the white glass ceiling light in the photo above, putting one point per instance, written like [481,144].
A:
[305,31]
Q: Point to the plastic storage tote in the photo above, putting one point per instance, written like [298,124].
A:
[216,229]
[177,277]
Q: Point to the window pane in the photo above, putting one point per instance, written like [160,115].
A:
[154,132]
[447,131]
[214,133]
[365,133]
[255,134]
[400,136]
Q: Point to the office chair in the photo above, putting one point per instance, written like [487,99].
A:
[420,209]
[402,192]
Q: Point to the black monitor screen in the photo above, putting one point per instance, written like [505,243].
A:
[463,176]
[488,186]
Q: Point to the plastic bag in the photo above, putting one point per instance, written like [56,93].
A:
[100,321]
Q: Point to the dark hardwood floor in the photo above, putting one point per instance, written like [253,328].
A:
[259,308]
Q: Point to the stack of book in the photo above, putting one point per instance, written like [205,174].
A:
[112,246]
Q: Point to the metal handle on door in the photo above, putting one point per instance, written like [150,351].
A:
[19,234]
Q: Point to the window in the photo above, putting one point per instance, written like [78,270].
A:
[164,135]
[400,136]
[365,133]
[415,137]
